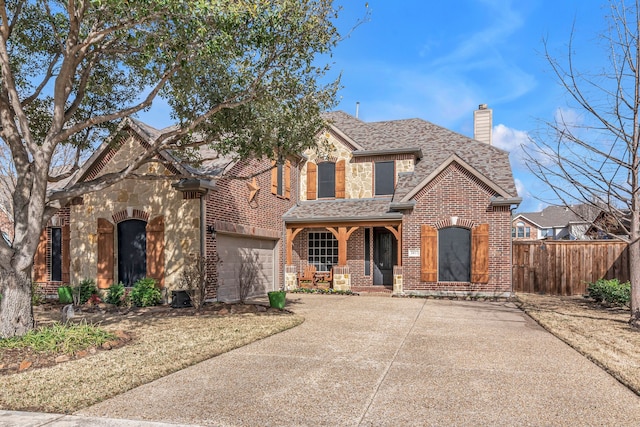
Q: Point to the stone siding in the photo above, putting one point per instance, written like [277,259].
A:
[153,198]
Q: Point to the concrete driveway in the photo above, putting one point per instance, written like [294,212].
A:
[376,361]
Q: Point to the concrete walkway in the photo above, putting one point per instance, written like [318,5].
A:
[374,361]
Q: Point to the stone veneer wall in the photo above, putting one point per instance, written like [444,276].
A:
[359,171]
[154,198]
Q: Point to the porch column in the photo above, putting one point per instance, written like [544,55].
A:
[398,235]
[342,234]
[291,235]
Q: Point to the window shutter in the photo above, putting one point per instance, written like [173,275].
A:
[66,255]
[40,259]
[287,179]
[480,254]
[428,254]
[311,181]
[155,250]
[105,253]
[340,179]
[274,178]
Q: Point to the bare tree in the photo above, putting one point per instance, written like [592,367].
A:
[244,76]
[590,154]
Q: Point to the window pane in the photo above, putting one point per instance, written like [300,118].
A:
[520,232]
[367,252]
[56,254]
[280,179]
[527,231]
[454,254]
[384,181]
[326,180]
[326,257]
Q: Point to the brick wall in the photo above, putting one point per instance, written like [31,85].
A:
[457,193]
[228,208]
[6,224]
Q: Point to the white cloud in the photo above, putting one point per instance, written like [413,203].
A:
[522,192]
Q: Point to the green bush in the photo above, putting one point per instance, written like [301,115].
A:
[84,290]
[610,291]
[145,293]
[67,338]
[115,294]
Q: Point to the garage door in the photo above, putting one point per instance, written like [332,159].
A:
[247,266]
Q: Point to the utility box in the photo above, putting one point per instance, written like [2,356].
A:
[180,299]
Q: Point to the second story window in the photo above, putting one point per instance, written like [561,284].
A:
[326,180]
[384,178]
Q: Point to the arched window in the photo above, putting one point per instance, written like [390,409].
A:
[132,251]
[454,254]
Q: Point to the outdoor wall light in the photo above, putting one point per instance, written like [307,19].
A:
[211,231]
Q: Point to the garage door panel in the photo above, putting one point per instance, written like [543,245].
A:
[246,263]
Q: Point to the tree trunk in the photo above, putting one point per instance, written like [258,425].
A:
[634,267]
[16,311]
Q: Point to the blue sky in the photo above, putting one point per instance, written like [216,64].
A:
[438,60]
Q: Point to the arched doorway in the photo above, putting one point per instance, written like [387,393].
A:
[132,251]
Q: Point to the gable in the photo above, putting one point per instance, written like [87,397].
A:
[456,162]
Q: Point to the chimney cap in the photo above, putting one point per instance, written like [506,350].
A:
[482,107]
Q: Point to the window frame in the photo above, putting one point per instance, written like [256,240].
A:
[326,176]
[383,185]
[55,272]
[445,250]
[319,241]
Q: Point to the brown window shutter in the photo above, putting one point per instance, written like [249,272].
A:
[105,253]
[155,250]
[66,255]
[274,178]
[311,180]
[40,259]
[428,254]
[480,254]
[340,179]
[287,179]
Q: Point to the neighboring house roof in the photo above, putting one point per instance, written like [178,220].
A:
[437,144]
[560,216]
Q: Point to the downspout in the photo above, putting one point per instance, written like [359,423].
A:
[203,224]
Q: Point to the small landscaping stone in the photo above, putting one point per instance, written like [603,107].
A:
[62,358]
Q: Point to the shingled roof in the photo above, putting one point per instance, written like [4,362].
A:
[434,145]
[437,143]
[561,216]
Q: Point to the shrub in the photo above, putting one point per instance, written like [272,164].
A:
[115,294]
[145,293]
[610,291]
[84,290]
[37,296]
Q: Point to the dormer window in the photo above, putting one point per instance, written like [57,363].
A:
[326,180]
[384,178]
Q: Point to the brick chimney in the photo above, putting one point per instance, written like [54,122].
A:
[482,124]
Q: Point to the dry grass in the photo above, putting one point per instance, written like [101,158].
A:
[601,334]
[162,345]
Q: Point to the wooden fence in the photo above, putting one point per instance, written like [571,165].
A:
[565,267]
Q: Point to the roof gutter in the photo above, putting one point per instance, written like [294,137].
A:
[417,152]
[505,201]
[391,216]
